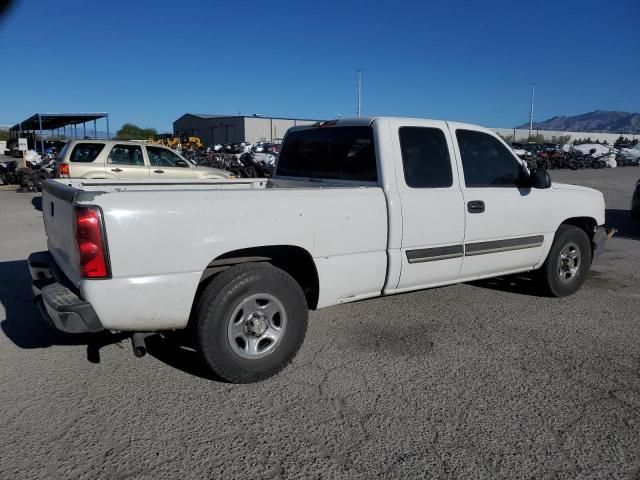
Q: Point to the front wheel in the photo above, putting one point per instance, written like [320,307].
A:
[566,267]
[250,322]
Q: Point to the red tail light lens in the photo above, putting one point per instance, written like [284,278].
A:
[91,243]
[63,170]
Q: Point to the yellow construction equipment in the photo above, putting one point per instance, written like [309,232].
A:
[178,143]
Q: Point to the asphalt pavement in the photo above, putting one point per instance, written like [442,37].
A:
[482,380]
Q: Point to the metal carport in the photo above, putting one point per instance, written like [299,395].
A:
[56,121]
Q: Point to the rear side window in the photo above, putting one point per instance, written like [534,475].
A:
[86,152]
[425,157]
[333,153]
[126,155]
[486,161]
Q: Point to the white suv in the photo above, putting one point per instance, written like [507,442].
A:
[128,160]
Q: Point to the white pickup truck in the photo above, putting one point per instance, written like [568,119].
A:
[358,208]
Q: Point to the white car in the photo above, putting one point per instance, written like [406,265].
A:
[357,209]
[632,154]
[600,150]
[128,160]
[521,152]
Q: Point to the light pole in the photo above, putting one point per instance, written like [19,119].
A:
[359,91]
[533,93]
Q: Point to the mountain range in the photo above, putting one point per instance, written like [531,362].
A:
[598,121]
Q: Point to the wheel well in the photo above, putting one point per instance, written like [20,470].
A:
[296,261]
[587,224]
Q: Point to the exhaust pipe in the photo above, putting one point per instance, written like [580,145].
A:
[139,344]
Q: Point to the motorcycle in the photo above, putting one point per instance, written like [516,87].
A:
[259,169]
[26,178]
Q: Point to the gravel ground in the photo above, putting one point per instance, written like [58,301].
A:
[469,381]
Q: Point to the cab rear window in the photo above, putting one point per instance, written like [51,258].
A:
[86,152]
[332,153]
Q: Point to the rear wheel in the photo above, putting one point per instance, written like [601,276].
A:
[566,267]
[250,322]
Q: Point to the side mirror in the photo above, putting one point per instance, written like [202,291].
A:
[539,178]
[181,163]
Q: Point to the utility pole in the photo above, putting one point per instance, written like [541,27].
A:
[533,93]
[359,91]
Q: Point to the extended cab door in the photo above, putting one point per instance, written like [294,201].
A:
[167,164]
[432,204]
[505,223]
[126,161]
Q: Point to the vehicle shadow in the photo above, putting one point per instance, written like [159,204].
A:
[24,326]
[521,283]
[176,350]
[621,220]
[37,203]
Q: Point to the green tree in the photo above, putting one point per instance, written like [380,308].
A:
[623,142]
[129,131]
[4,135]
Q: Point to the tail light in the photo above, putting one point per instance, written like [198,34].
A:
[63,170]
[92,245]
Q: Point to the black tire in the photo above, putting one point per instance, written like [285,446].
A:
[573,164]
[550,272]
[220,300]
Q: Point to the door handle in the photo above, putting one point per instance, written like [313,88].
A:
[116,169]
[475,206]
[158,171]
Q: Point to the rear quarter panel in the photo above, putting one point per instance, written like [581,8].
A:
[161,242]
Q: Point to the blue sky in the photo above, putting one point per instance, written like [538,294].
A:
[150,62]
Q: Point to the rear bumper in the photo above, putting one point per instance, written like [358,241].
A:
[58,301]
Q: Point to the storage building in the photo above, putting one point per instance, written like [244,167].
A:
[214,129]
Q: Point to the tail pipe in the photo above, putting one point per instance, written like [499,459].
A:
[139,343]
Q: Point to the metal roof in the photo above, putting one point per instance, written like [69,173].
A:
[208,116]
[51,121]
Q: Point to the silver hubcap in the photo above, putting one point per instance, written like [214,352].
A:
[569,262]
[256,326]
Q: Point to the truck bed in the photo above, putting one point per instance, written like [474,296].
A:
[161,236]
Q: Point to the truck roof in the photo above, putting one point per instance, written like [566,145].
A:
[366,121]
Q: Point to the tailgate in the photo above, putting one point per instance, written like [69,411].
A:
[59,223]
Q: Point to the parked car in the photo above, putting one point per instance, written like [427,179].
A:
[116,159]
[635,204]
[631,154]
[358,208]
